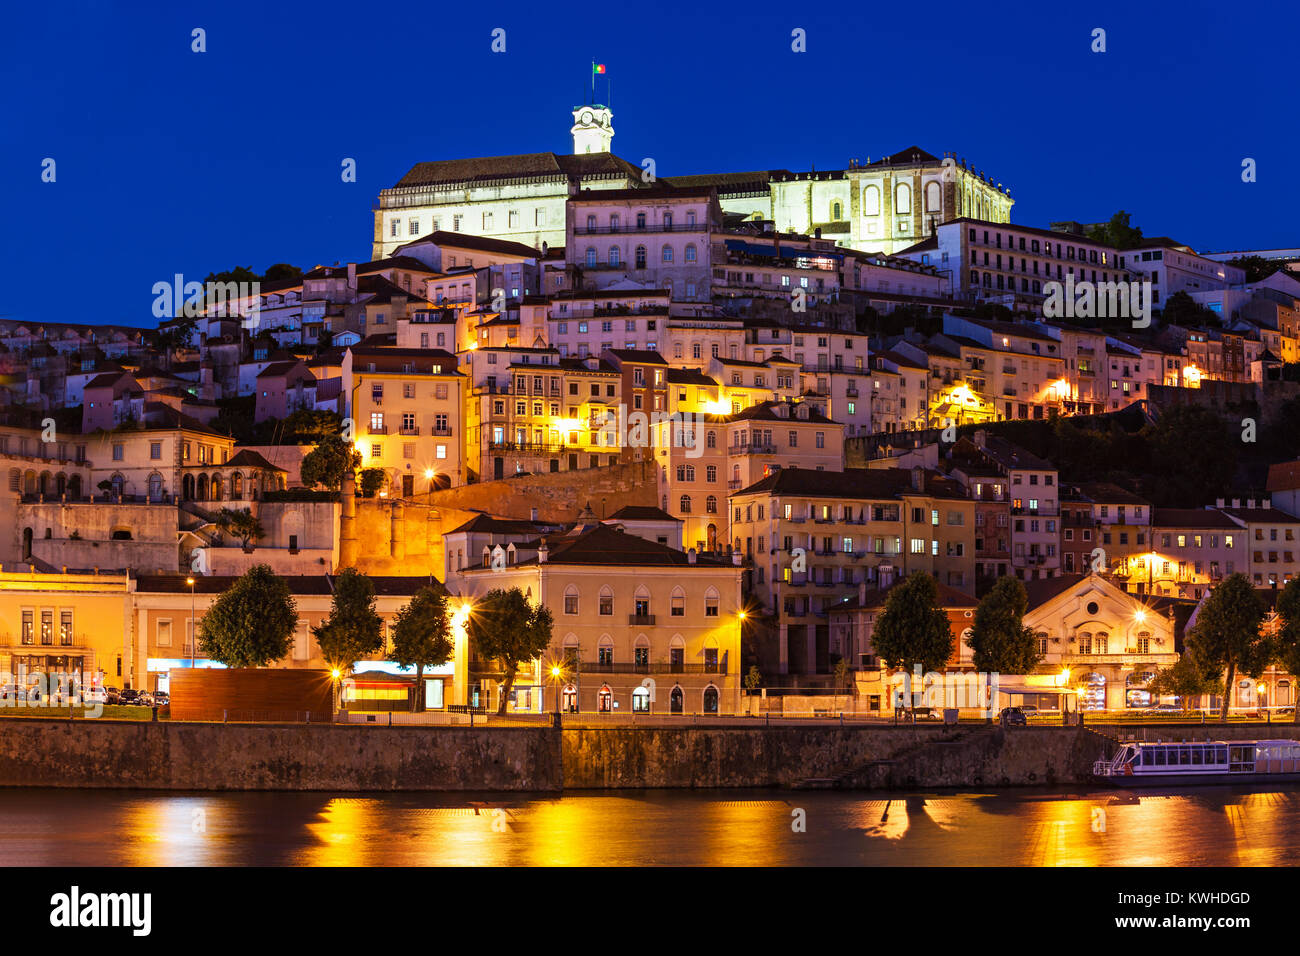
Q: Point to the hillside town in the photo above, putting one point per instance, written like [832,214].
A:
[711,422]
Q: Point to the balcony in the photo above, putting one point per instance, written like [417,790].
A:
[378,430]
[441,432]
[641,620]
[648,229]
[628,667]
[534,447]
[413,430]
[759,448]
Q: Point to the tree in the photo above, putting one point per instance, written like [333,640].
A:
[243,524]
[372,479]
[353,630]
[999,639]
[1226,636]
[1117,232]
[329,462]
[237,274]
[1286,643]
[281,270]
[421,637]
[1181,309]
[252,623]
[1185,679]
[1256,267]
[753,679]
[506,628]
[913,629]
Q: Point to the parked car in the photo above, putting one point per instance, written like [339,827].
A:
[161,698]
[94,695]
[129,696]
[145,699]
[112,695]
[1013,717]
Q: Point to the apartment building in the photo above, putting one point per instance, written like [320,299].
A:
[407,406]
[1192,549]
[811,537]
[1033,488]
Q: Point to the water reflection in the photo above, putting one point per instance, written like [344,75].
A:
[1211,826]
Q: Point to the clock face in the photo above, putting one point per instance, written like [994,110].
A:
[586,117]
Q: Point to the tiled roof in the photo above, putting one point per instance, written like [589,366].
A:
[640,513]
[518,166]
[463,240]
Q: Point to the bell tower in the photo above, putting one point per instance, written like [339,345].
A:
[593,128]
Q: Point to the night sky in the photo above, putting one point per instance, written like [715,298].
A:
[172,161]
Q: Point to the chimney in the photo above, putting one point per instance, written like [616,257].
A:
[1250,502]
[532,514]
[1218,502]
[352,276]
[543,552]
[1236,502]
[690,556]
[981,438]
[1266,502]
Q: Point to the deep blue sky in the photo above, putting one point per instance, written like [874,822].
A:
[171,161]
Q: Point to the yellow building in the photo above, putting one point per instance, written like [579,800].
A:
[76,624]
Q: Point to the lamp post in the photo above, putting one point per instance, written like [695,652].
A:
[194,630]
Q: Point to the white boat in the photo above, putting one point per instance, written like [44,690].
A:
[1200,762]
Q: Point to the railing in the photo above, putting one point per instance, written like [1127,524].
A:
[378,430]
[527,447]
[641,620]
[644,230]
[441,432]
[754,449]
[415,430]
[630,667]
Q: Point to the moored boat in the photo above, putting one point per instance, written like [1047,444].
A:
[1200,762]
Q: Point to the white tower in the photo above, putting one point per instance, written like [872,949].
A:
[593,129]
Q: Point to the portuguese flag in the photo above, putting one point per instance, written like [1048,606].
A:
[597,68]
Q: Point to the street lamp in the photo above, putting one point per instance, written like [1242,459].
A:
[194,630]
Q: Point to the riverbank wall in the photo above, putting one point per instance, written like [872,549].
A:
[37,752]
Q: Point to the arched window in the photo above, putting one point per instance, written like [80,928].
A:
[871,201]
[201,489]
[640,257]
[836,211]
[606,601]
[613,222]
[686,504]
[676,699]
[216,487]
[46,483]
[641,700]
[677,602]
[237,486]
[118,481]
[604,700]
[640,220]
[605,651]
[74,486]
[60,483]
[711,505]
[155,487]
[711,439]
[710,699]
[933,197]
[668,253]
[690,252]
[187,487]
[571,599]
[903,199]
[641,653]
[711,607]
[591,257]
[613,256]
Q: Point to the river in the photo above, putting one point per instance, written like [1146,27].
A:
[1208,826]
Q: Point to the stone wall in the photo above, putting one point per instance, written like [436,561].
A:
[557,496]
[199,756]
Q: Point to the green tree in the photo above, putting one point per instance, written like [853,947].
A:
[353,630]
[241,523]
[1000,642]
[1185,679]
[281,270]
[1256,267]
[506,628]
[237,274]
[913,629]
[1181,309]
[421,637]
[753,679]
[371,480]
[1118,232]
[329,462]
[1226,636]
[252,623]
[1286,642]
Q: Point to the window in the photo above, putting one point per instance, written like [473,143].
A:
[571,600]
[668,253]
[606,602]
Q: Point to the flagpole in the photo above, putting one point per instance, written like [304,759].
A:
[593,82]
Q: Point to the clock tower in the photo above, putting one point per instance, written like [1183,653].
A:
[593,129]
